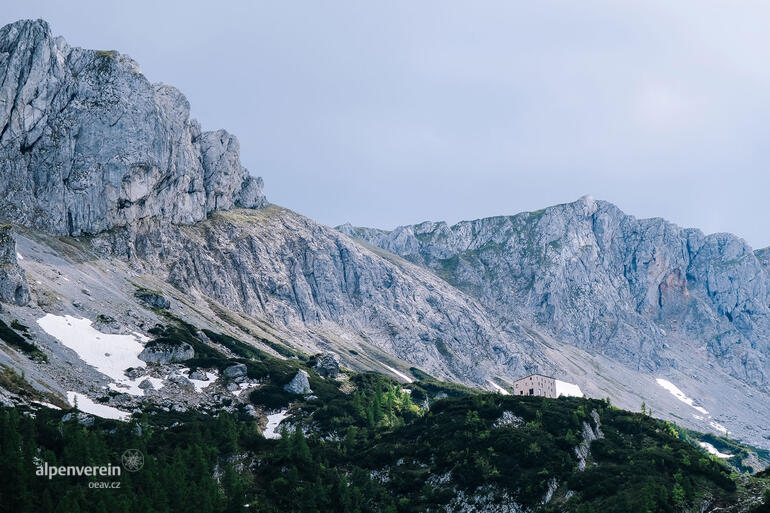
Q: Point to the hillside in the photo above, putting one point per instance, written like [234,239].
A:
[145,279]
[673,303]
[361,443]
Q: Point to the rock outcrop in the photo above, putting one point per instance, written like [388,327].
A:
[13,282]
[327,365]
[638,290]
[87,143]
[238,370]
[299,384]
[163,353]
[153,299]
[316,284]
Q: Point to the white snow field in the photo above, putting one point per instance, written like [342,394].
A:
[567,389]
[272,424]
[680,395]
[109,354]
[713,450]
[86,405]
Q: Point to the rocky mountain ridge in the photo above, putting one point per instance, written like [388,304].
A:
[141,226]
[606,282]
[89,144]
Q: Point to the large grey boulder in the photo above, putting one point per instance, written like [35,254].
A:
[162,353]
[154,299]
[327,365]
[299,384]
[87,143]
[239,370]
[13,282]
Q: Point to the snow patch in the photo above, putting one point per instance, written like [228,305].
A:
[47,405]
[109,354]
[567,389]
[18,255]
[680,395]
[498,388]
[713,450]
[718,427]
[86,405]
[399,374]
[272,424]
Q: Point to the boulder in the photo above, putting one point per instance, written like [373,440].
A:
[153,299]
[135,372]
[327,365]
[299,384]
[198,375]
[238,370]
[162,353]
[180,381]
[250,411]
[146,385]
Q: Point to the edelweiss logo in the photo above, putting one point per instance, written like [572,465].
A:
[133,460]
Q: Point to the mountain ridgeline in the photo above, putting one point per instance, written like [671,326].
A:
[604,281]
[127,222]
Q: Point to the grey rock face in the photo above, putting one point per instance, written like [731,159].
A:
[604,281]
[299,384]
[276,265]
[13,282]
[327,365]
[87,143]
[167,353]
[238,370]
[154,299]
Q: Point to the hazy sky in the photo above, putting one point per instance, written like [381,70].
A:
[388,113]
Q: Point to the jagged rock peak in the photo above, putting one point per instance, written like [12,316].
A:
[87,143]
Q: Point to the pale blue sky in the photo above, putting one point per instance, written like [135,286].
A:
[391,113]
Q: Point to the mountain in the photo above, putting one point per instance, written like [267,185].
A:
[604,281]
[137,197]
[655,297]
[128,225]
[89,144]
[151,299]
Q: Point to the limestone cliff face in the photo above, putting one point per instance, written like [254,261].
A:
[607,282]
[87,143]
[324,288]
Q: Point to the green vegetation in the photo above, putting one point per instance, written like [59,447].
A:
[106,54]
[21,328]
[12,338]
[365,443]
[387,455]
